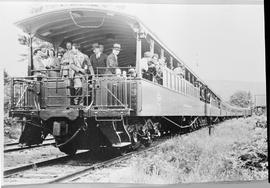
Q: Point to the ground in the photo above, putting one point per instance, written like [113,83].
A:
[235,151]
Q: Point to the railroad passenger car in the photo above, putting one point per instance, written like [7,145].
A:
[117,109]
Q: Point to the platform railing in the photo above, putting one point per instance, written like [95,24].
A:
[112,92]
[173,81]
[37,92]
[101,91]
[116,71]
[24,93]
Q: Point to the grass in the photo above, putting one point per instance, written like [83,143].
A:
[235,151]
[12,129]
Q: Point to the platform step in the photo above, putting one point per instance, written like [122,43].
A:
[122,144]
[119,132]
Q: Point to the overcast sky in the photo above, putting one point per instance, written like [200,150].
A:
[219,42]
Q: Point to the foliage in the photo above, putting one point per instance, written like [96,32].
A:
[237,150]
[241,99]
[12,129]
[6,91]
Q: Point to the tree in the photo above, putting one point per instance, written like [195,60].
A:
[241,99]
[6,90]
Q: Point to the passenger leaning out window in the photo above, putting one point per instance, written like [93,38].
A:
[179,70]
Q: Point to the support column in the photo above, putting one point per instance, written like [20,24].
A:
[138,56]
[30,57]
[152,46]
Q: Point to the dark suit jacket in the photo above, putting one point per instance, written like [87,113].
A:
[111,62]
[99,62]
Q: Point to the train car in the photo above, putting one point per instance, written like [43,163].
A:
[118,110]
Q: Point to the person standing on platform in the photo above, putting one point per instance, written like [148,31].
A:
[112,60]
[98,59]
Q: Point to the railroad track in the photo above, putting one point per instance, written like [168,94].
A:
[84,172]
[16,146]
[60,170]
[14,170]
[51,171]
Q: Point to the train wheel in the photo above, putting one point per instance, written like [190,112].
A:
[31,135]
[69,148]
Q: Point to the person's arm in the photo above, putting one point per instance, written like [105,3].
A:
[76,68]
[55,64]
[89,65]
[109,62]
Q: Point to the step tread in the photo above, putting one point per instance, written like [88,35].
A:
[122,144]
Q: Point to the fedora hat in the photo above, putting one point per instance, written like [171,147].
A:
[42,46]
[95,45]
[76,45]
[148,54]
[155,55]
[117,46]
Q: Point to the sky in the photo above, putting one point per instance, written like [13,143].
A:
[218,42]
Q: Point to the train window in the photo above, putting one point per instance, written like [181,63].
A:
[192,79]
[186,74]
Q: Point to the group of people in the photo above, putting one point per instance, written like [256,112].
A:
[151,66]
[74,64]
[44,59]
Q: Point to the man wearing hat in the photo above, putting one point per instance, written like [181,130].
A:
[112,60]
[98,59]
[66,60]
[158,69]
[145,61]
[80,65]
[101,47]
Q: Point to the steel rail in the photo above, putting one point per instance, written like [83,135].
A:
[27,147]
[80,173]
[22,168]
[16,143]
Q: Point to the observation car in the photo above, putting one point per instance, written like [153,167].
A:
[117,109]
